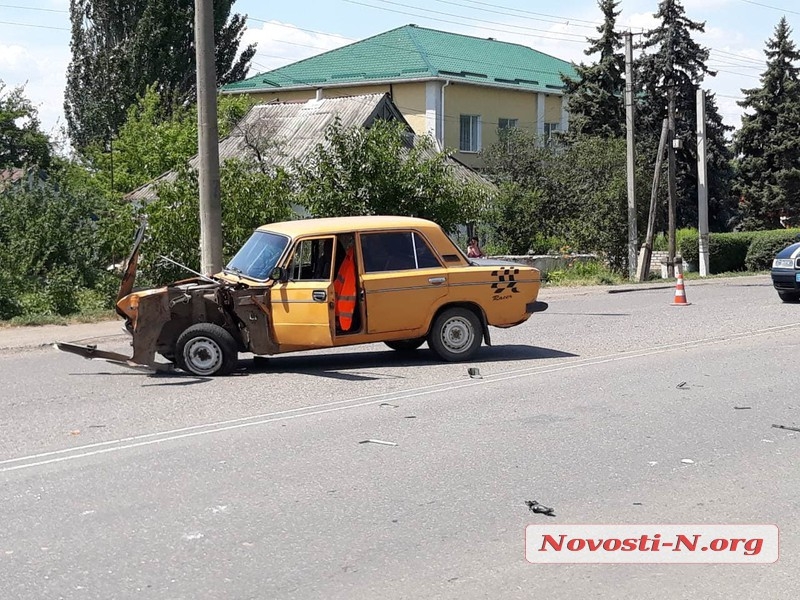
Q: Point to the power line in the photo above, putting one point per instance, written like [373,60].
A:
[558,20]
[31,25]
[55,10]
[519,10]
[786,10]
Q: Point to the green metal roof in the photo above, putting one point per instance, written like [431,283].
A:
[412,52]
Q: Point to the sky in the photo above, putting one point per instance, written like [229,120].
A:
[35,35]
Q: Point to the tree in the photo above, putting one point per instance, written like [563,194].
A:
[673,60]
[595,99]
[120,47]
[768,143]
[152,141]
[359,171]
[249,198]
[22,143]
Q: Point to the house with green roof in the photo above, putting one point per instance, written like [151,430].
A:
[460,90]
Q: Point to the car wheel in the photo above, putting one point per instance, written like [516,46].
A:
[406,345]
[206,349]
[455,335]
[789,296]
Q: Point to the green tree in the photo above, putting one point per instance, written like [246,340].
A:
[768,143]
[120,47]
[249,198]
[595,98]
[153,141]
[358,171]
[22,143]
[673,60]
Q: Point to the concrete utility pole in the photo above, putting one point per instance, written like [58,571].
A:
[671,181]
[647,248]
[702,183]
[631,156]
[208,139]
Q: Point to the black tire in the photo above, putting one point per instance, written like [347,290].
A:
[406,345]
[206,350]
[455,335]
[789,296]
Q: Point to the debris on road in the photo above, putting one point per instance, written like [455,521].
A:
[383,443]
[682,386]
[410,417]
[637,504]
[382,404]
[742,407]
[787,427]
[687,461]
[475,373]
[540,509]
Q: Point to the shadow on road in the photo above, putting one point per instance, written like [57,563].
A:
[345,366]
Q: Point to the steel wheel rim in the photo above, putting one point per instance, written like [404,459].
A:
[457,335]
[203,355]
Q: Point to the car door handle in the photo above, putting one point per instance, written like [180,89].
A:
[319,295]
[437,280]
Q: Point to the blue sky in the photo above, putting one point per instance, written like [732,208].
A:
[34,35]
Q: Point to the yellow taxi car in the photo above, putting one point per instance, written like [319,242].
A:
[321,283]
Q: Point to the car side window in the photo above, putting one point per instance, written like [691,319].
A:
[311,260]
[396,251]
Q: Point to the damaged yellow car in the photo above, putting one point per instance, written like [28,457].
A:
[322,283]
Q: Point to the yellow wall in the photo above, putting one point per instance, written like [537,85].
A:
[491,104]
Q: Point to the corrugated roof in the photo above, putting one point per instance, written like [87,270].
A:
[284,131]
[412,52]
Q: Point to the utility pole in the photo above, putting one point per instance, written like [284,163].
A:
[647,248]
[207,139]
[631,156]
[671,180]
[702,183]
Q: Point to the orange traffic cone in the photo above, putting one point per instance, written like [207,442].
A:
[680,293]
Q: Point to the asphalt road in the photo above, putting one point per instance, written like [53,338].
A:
[120,484]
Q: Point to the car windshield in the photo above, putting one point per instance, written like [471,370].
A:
[259,255]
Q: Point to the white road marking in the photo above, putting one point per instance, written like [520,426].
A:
[148,439]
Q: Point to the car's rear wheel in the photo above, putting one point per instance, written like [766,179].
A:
[406,345]
[789,296]
[206,349]
[455,335]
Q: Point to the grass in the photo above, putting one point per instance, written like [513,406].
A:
[38,320]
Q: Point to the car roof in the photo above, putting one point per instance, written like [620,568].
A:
[347,224]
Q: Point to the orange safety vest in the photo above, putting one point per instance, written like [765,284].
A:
[345,288]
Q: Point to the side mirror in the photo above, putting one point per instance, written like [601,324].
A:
[279,274]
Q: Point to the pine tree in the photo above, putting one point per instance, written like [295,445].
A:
[596,98]
[120,47]
[672,58]
[768,143]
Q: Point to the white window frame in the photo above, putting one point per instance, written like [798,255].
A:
[474,141]
[504,123]
[550,128]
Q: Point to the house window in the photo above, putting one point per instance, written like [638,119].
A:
[550,128]
[470,135]
[507,123]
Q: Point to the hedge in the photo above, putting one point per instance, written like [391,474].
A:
[739,251]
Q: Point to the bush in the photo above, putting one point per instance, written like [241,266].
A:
[9,301]
[765,245]
[727,251]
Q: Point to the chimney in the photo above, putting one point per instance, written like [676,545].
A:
[319,94]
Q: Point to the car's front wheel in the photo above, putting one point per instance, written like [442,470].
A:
[789,296]
[206,349]
[406,345]
[455,335]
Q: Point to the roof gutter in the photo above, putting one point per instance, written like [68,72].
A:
[362,83]
[441,118]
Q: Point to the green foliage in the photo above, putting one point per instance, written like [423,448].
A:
[595,99]
[765,245]
[661,241]
[727,251]
[769,140]
[249,199]
[9,297]
[153,141]
[119,48]
[22,144]
[582,272]
[359,171]
[672,59]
